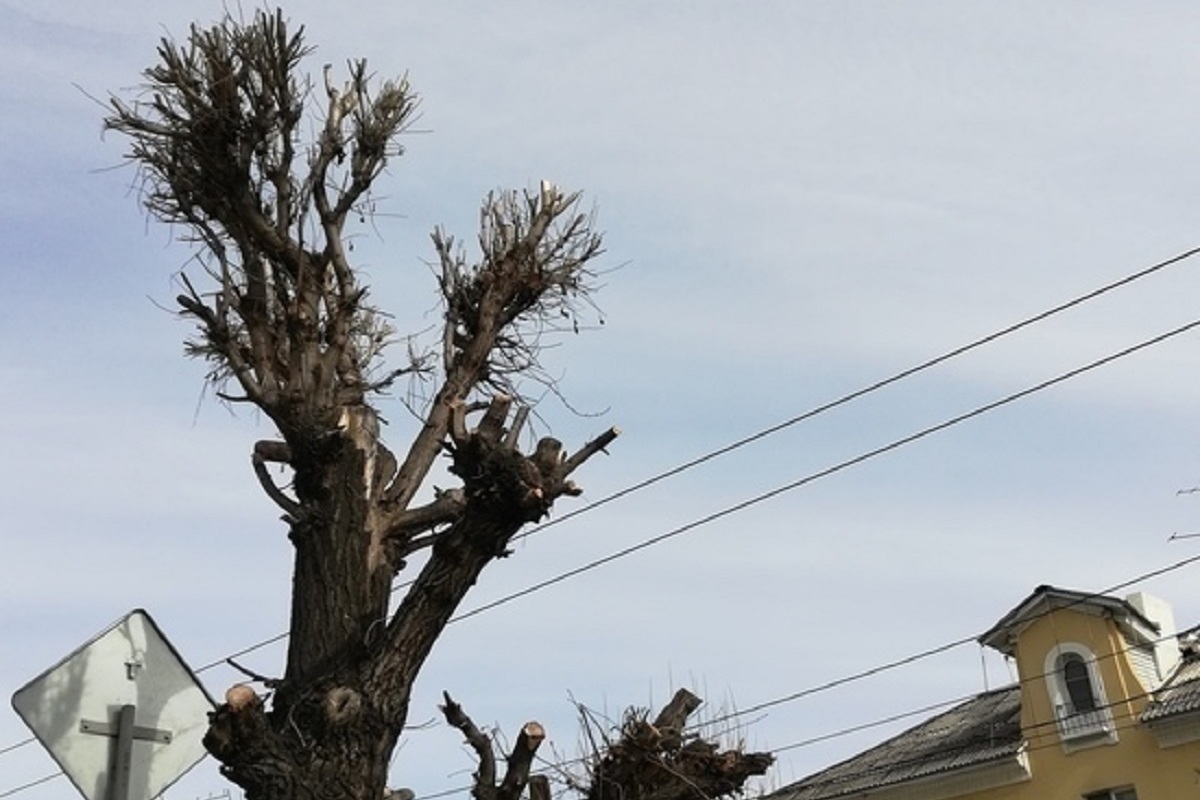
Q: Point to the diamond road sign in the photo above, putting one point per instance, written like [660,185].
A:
[123,715]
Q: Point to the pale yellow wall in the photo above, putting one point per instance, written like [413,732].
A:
[1136,758]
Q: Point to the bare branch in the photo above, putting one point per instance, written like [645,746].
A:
[674,714]
[447,506]
[261,168]
[590,449]
[270,683]
[514,431]
[290,506]
[272,450]
[485,777]
[214,134]
[491,427]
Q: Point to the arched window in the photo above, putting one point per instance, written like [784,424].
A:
[1078,682]
[1077,696]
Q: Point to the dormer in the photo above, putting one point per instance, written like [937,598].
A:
[1107,708]
[1077,655]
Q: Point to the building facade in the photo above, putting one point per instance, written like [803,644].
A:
[1106,707]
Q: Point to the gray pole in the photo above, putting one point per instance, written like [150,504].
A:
[123,763]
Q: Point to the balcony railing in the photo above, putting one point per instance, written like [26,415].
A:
[1082,724]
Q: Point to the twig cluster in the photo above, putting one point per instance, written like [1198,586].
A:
[217,135]
[657,760]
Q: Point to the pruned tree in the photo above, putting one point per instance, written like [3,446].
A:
[261,170]
[662,759]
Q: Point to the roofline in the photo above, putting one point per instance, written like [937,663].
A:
[997,637]
[781,793]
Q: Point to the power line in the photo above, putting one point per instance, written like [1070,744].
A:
[932,651]
[1032,727]
[872,671]
[948,750]
[844,399]
[880,384]
[815,476]
[30,785]
[1029,731]
[16,745]
[810,478]
[279,637]
[951,750]
[1154,573]
[1025,680]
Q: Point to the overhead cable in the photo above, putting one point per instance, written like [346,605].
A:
[824,473]
[844,399]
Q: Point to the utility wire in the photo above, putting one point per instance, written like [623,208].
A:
[1121,716]
[1031,731]
[810,478]
[16,745]
[932,651]
[1024,681]
[815,476]
[866,673]
[279,637]
[899,376]
[30,785]
[1034,728]
[844,399]
[852,678]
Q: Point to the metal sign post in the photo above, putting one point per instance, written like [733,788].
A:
[125,732]
[85,711]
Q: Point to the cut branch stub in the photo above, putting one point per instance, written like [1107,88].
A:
[539,787]
[671,720]
[519,761]
[510,488]
[514,486]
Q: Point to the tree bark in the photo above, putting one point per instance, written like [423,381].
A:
[230,149]
[343,702]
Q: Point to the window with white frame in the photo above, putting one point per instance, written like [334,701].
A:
[1077,695]
[1081,695]
[1126,793]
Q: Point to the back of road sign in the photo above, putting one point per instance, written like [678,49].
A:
[123,713]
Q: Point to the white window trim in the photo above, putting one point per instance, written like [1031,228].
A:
[1090,728]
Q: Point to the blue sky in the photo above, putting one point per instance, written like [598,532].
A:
[799,200]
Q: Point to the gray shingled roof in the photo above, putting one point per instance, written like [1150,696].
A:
[1180,694]
[983,729]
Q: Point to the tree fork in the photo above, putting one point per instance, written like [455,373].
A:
[261,174]
[519,761]
[503,490]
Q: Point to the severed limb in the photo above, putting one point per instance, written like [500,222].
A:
[519,761]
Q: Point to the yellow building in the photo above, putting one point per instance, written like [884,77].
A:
[1106,707]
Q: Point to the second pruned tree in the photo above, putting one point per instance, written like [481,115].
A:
[261,169]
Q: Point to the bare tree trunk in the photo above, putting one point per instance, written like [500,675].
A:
[336,724]
[218,135]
